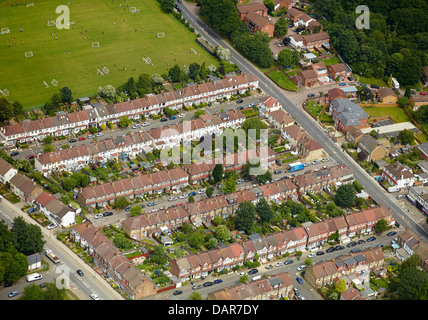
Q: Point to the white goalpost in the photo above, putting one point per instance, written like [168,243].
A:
[95,44]
[4,30]
[28,54]
[54,82]
[161,35]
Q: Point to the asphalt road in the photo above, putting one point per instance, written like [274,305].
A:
[83,287]
[309,125]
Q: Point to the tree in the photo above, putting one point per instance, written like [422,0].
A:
[26,238]
[158,255]
[48,148]
[270,5]
[412,284]
[265,177]
[33,292]
[69,183]
[157,79]
[196,239]
[281,27]
[222,15]
[245,215]
[124,122]
[381,226]
[6,109]
[107,91]
[222,233]
[264,211]
[406,136]
[209,192]
[229,185]
[243,278]
[123,243]
[66,95]
[136,210]
[17,108]
[194,70]
[121,203]
[223,53]
[403,101]
[195,296]
[345,196]
[340,286]
[168,5]
[129,86]
[218,172]
[175,73]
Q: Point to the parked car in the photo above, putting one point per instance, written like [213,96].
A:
[423,93]
[81,139]
[127,209]
[192,194]
[197,286]
[172,199]
[208,284]
[289,261]
[95,297]
[13,294]
[392,233]
[342,84]
[374,86]
[52,226]
[277,172]
[8,284]
[320,253]
[301,267]
[172,118]
[183,196]
[80,272]
[90,136]
[371,239]
[135,126]
[145,124]
[339,247]
[279,264]
[151,204]
[73,140]
[240,181]
[351,244]
[217,281]
[99,134]
[163,119]
[98,215]
[331,249]
[201,191]
[177,292]
[181,115]
[32,210]
[253,271]
[269,267]
[108,213]
[31,156]
[240,101]
[311,255]
[315,162]
[241,108]
[355,250]
[15,153]
[299,280]
[361,241]
[311,95]
[400,196]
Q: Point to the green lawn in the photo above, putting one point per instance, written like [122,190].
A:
[313,108]
[124,39]
[397,114]
[378,82]
[282,80]
[331,61]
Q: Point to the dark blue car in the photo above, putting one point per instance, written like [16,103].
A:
[192,193]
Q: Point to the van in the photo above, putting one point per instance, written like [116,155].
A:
[34,277]
[256,278]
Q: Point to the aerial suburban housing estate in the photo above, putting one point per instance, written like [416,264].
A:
[214,150]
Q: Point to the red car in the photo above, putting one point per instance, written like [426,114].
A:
[423,93]
[81,138]
[31,156]
[180,204]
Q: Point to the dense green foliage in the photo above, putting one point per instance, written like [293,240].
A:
[396,42]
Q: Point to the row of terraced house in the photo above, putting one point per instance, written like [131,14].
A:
[309,235]
[69,123]
[135,143]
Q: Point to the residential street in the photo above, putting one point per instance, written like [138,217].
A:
[308,124]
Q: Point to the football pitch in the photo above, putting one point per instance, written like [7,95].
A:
[105,44]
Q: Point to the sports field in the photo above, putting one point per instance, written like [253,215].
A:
[67,55]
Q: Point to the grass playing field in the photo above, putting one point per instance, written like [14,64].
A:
[67,56]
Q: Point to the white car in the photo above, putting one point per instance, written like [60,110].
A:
[201,191]
[172,198]
[315,162]
[279,264]
[98,215]
[52,226]
[183,196]
[100,134]
[90,136]
[312,255]
[181,115]
[135,126]
[145,124]
[302,267]
[94,296]
[240,181]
